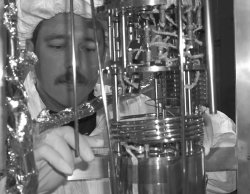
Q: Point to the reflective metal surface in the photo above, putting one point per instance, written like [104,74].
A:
[242,54]
[161,175]
[210,57]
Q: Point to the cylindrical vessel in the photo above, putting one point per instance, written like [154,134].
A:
[161,175]
[158,51]
[150,160]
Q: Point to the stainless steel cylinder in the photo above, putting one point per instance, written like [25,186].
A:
[161,175]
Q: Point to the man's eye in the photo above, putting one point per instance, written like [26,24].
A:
[89,46]
[56,46]
[90,49]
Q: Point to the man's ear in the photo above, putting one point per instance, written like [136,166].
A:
[29,45]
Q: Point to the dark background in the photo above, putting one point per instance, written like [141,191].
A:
[224,53]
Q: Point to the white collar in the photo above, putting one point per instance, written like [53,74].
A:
[35,103]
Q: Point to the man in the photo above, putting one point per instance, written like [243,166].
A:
[44,26]
[51,83]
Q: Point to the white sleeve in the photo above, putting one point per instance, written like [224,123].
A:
[219,130]
[220,133]
[224,131]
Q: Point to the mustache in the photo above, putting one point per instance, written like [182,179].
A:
[68,78]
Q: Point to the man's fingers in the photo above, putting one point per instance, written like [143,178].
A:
[67,134]
[59,144]
[85,148]
[46,152]
[94,141]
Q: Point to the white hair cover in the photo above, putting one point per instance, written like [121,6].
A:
[32,12]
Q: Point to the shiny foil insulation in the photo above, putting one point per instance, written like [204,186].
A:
[20,165]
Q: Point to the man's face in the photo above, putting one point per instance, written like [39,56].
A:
[54,71]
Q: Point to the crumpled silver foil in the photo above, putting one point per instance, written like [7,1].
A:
[20,165]
[10,18]
[46,120]
[21,168]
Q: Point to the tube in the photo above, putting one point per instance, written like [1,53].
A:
[182,99]
[210,59]
[73,58]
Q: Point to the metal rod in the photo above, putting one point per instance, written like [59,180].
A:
[182,100]
[116,34]
[110,34]
[124,47]
[112,165]
[73,59]
[185,95]
[3,128]
[115,92]
[157,109]
[189,95]
[210,58]
[112,56]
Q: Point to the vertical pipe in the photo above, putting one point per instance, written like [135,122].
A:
[115,94]
[210,58]
[182,100]
[110,32]
[156,96]
[112,56]
[185,95]
[73,60]
[190,45]
[147,43]
[3,129]
[114,34]
[124,45]
[111,155]
[189,93]
[116,37]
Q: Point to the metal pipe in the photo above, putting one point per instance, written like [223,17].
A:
[124,46]
[157,107]
[210,58]
[182,100]
[3,129]
[185,95]
[112,56]
[112,165]
[110,32]
[189,94]
[116,36]
[115,92]
[73,60]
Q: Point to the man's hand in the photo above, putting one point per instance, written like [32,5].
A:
[54,155]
